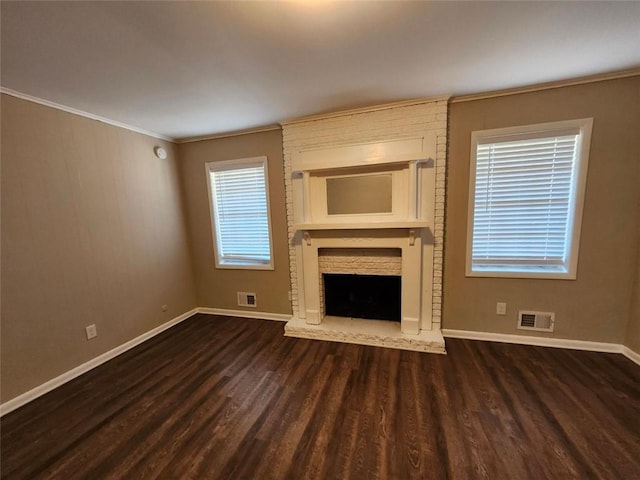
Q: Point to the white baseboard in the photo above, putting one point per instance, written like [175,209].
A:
[530,340]
[630,354]
[544,342]
[46,387]
[280,317]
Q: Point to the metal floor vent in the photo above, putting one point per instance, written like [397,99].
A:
[247,299]
[541,321]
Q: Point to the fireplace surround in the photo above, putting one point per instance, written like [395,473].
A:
[350,203]
[400,239]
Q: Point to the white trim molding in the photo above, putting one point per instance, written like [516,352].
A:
[82,113]
[54,383]
[508,260]
[23,399]
[218,203]
[630,354]
[544,342]
[601,77]
[279,317]
[236,133]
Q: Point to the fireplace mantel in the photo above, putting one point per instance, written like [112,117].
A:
[358,183]
[407,242]
[408,150]
[360,225]
[405,226]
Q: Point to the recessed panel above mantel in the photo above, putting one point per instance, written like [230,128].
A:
[359,194]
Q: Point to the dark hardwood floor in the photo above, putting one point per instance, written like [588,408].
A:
[218,397]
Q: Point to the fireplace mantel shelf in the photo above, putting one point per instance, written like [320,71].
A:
[360,225]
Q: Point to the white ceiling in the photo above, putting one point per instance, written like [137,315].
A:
[184,69]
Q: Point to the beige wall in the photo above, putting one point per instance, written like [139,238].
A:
[92,233]
[632,339]
[217,288]
[595,306]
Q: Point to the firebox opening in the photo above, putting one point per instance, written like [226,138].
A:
[375,297]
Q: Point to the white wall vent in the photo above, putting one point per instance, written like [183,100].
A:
[247,299]
[542,321]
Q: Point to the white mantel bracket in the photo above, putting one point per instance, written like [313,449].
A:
[412,237]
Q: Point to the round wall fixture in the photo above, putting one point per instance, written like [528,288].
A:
[160,152]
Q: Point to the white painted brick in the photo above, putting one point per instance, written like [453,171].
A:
[385,124]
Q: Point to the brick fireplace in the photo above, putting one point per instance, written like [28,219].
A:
[364,262]
[365,196]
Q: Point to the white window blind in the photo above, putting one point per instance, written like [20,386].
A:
[524,202]
[240,211]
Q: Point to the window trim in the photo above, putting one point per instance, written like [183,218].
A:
[222,165]
[584,126]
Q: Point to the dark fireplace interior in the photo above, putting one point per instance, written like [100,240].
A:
[375,297]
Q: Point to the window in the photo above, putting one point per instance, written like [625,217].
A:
[240,213]
[525,206]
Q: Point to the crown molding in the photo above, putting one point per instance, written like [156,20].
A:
[82,113]
[356,111]
[341,113]
[236,133]
[547,86]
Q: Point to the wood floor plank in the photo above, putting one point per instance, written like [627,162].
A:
[229,398]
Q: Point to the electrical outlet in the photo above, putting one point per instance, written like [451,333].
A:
[501,308]
[92,332]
